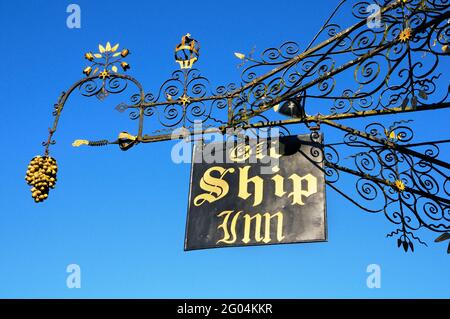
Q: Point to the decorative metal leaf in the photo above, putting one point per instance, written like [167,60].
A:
[414,101]
[239,55]
[405,246]
[405,103]
[442,237]
[392,135]
[121,107]
[423,95]
[114,48]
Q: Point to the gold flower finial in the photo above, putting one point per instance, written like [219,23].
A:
[405,35]
[184,100]
[104,74]
[399,185]
[108,58]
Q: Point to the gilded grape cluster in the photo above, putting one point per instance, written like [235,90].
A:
[41,175]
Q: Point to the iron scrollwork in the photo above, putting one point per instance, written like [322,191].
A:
[383,63]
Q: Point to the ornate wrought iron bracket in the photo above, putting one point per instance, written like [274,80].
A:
[343,74]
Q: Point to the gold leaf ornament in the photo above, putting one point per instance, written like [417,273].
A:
[239,55]
[392,135]
[114,48]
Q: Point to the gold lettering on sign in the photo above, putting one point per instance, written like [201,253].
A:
[268,219]
[227,239]
[279,185]
[248,227]
[250,223]
[216,188]
[299,190]
[243,186]
[243,152]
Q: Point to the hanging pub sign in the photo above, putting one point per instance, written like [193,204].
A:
[262,192]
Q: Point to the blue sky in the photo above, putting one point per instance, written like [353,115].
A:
[121,215]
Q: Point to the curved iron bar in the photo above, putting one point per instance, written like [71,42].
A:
[91,90]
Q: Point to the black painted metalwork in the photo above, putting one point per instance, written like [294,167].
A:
[389,61]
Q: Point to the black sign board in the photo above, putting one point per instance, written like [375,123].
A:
[262,192]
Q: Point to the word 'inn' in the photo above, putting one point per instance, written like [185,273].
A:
[228,227]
